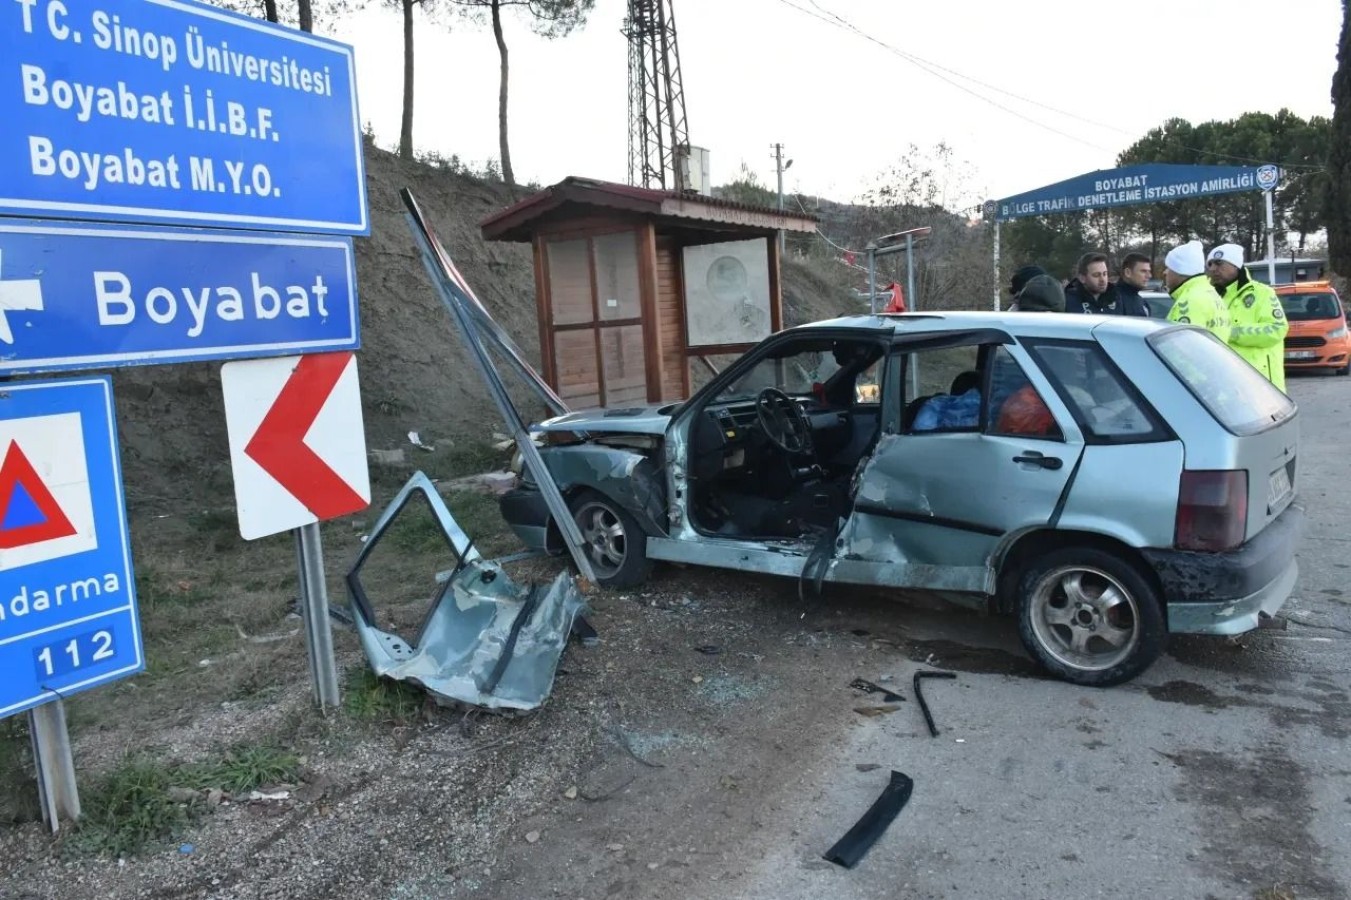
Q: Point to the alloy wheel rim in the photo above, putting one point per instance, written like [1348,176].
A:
[603,535]
[1085,618]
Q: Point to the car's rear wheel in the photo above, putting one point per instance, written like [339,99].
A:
[1089,617]
[614,543]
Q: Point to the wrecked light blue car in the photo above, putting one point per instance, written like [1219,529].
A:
[1112,480]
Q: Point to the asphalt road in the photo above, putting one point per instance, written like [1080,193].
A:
[1222,772]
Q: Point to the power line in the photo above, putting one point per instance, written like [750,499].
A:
[840,23]
[832,18]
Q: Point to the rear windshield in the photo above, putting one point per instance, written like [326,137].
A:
[1237,395]
[1308,307]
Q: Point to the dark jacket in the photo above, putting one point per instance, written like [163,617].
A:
[1119,299]
[1128,300]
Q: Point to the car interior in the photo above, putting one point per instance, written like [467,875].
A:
[772,455]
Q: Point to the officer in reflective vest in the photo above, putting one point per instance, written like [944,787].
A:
[1259,324]
[1195,302]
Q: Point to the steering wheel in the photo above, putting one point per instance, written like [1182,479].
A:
[783,421]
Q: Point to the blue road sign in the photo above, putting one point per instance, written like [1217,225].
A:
[1129,186]
[68,619]
[177,112]
[97,296]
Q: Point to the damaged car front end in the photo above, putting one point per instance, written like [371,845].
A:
[613,483]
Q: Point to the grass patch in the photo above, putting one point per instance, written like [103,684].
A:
[143,801]
[371,698]
[18,791]
[155,589]
[478,514]
[416,530]
[218,527]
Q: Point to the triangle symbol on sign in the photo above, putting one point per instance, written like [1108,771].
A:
[23,510]
[29,514]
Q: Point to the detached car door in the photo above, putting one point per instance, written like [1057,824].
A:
[981,446]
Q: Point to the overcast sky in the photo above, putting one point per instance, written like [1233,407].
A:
[761,71]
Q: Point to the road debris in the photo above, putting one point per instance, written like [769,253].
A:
[873,711]
[919,697]
[485,641]
[858,840]
[869,687]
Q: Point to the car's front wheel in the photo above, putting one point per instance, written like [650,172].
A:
[1089,617]
[614,543]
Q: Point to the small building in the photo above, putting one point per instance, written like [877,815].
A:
[633,285]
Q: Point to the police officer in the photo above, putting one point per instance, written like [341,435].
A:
[1259,323]
[1195,301]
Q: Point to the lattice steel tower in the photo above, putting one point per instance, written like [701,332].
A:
[659,137]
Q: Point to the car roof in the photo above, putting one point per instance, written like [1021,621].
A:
[1020,324]
[1305,287]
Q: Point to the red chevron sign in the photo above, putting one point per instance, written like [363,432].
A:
[296,441]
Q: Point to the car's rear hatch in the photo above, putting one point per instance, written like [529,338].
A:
[1271,461]
[1258,424]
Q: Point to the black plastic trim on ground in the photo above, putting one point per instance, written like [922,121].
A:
[856,842]
[919,698]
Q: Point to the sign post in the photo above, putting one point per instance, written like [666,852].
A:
[1267,176]
[988,209]
[314,614]
[55,764]
[298,453]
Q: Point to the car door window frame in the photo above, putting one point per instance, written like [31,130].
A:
[990,418]
[1159,431]
[905,345]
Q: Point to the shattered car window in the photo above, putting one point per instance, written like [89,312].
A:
[796,371]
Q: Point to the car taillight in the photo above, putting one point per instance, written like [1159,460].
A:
[1212,510]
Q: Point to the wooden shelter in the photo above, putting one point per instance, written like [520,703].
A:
[620,317]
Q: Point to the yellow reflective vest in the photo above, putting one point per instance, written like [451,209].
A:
[1259,326]
[1195,302]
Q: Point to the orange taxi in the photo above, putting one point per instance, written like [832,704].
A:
[1317,338]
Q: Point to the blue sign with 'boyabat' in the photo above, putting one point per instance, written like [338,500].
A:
[177,112]
[76,296]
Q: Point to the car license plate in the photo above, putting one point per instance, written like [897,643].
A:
[1300,354]
[1278,486]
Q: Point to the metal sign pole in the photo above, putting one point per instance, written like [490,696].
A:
[1271,241]
[55,764]
[996,265]
[913,305]
[314,613]
[872,278]
[911,300]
